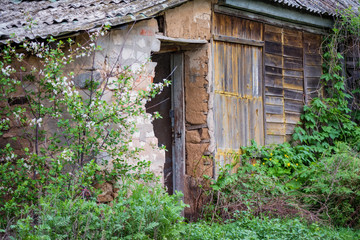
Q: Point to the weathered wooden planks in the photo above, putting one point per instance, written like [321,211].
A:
[284,81]
[261,70]
[238,75]
[292,60]
[312,65]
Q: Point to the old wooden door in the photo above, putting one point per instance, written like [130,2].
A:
[170,129]
[177,63]
[238,74]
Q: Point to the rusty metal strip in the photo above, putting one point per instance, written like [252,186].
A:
[223,38]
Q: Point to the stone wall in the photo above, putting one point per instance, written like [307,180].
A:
[130,46]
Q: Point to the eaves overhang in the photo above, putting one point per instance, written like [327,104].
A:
[281,12]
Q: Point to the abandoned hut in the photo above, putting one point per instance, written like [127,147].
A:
[241,69]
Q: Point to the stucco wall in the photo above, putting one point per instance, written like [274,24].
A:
[193,21]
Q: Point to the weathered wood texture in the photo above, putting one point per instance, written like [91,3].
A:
[238,71]
[179,122]
[263,77]
[292,76]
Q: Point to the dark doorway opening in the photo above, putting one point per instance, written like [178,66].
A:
[162,104]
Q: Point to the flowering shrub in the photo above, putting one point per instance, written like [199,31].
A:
[64,133]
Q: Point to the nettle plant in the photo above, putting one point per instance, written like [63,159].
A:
[63,132]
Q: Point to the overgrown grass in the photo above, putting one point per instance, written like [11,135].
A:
[256,228]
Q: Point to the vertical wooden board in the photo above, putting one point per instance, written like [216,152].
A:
[255,29]
[232,125]
[227,127]
[247,77]
[225,122]
[218,116]
[235,62]
[256,69]
[237,124]
[259,112]
[229,68]
[179,123]
[219,64]
[240,71]
[244,118]
[253,121]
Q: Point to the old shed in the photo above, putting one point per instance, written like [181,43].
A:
[241,69]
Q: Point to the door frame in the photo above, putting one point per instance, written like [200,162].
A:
[178,107]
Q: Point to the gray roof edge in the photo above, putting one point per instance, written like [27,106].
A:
[139,15]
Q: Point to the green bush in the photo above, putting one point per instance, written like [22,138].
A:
[139,212]
[333,187]
[263,180]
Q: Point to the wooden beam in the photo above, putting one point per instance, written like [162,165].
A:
[179,122]
[163,38]
[223,38]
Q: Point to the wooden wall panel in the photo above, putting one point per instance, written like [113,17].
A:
[312,65]
[284,79]
[238,95]
[238,82]
[292,74]
[238,28]
[261,70]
